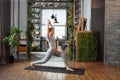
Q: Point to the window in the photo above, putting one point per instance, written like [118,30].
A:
[60,28]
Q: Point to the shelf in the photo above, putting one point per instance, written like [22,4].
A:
[36,18]
[36,7]
[22,48]
[36,21]
[36,12]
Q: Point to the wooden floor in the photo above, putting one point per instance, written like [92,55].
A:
[93,71]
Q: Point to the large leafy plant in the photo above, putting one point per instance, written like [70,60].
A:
[12,39]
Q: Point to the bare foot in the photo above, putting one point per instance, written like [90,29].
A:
[32,65]
[69,69]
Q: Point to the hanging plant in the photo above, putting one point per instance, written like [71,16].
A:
[70,26]
[30,28]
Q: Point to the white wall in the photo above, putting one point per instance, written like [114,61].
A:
[22,22]
[87,13]
[23,15]
[14,12]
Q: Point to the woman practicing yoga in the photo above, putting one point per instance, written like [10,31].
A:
[52,49]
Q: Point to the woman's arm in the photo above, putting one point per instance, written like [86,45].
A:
[48,27]
[47,30]
[47,36]
[50,24]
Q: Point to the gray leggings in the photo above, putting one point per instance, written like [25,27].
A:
[49,55]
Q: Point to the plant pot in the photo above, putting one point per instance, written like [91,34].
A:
[11,59]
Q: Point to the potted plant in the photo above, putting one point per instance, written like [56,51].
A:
[12,41]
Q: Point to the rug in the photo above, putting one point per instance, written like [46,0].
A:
[56,69]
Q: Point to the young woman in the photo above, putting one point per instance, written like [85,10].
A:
[52,49]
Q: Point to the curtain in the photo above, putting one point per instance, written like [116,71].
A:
[4,30]
[2,46]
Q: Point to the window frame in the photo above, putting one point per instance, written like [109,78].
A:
[63,25]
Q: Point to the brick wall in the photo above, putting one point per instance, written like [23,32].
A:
[112,32]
